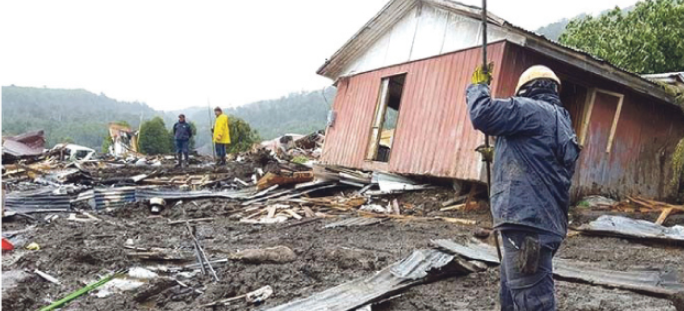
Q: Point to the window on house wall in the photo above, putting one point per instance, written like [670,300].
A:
[385,118]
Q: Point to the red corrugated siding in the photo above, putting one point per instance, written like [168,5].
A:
[434,135]
[647,132]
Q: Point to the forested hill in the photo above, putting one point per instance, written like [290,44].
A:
[301,113]
[554,30]
[66,115]
[81,117]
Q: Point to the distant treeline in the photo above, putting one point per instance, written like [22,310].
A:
[81,117]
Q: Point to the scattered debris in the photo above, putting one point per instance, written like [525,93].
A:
[652,282]
[47,277]
[636,229]
[157,205]
[278,254]
[355,221]
[419,267]
[254,297]
[82,291]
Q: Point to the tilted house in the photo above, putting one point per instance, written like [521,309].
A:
[400,104]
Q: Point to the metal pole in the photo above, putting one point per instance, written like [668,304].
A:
[489,169]
[211,141]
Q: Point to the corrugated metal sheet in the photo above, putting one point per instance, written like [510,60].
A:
[434,135]
[647,131]
[413,270]
[25,145]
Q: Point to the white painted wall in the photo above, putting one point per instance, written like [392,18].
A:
[425,31]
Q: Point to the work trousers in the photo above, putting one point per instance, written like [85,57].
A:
[182,149]
[527,270]
[220,150]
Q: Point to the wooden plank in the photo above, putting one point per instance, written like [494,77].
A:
[587,117]
[453,207]
[293,214]
[666,212]
[616,118]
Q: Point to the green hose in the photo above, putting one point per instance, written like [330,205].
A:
[82,291]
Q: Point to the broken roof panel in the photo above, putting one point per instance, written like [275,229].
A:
[28,144]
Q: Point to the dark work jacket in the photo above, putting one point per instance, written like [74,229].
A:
[182,131]
[534,158]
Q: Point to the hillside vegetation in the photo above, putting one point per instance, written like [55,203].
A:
[79,116]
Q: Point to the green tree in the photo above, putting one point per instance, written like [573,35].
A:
[106,143]
[242,136]
[645,40]
[154,138]
[193,128]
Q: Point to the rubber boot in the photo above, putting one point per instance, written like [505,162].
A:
[179,157]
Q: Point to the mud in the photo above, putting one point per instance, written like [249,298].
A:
[79,253]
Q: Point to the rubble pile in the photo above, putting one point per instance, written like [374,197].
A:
[268,232]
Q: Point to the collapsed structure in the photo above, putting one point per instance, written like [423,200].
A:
[400,105]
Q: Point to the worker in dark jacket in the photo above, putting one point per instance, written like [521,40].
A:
[182,132]
[534,161]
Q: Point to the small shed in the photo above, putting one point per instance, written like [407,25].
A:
[400,104]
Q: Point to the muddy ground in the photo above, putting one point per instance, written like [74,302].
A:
[78,253]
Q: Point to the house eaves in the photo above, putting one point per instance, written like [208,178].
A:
[396,9]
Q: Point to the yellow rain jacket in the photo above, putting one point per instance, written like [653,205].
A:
[221,130]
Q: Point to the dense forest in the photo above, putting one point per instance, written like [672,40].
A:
[81,117]
[65,115]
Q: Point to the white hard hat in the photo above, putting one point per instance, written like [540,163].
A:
[536,72]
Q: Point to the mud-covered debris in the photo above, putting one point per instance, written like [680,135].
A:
[152,289]
[678,301]
[481,233]
[259,295]
[278,254]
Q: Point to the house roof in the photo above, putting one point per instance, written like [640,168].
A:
[668,77]
[395,9]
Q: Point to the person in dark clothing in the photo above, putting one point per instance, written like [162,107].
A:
[182,132]
[534,161]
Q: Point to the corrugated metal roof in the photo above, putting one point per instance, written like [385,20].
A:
[668,77]
[395,9]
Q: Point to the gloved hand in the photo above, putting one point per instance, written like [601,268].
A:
[480,77]
[486,152]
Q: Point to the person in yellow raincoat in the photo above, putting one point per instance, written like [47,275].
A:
[221,135]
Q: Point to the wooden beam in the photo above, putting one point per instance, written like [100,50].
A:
[589,106]
[666,212]
[616,118]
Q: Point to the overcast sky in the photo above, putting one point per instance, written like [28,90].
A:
[173,54]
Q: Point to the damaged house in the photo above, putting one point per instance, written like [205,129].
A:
[124,141]
[400,104]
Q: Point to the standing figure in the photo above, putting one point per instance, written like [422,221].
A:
[221,135]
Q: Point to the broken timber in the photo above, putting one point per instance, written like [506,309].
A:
[651,282]
[635,229]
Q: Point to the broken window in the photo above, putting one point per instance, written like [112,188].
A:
[385,118]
